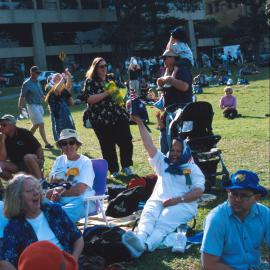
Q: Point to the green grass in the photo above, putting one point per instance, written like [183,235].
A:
[244,145]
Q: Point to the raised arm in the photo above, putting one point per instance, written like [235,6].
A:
[146,138]
[170,43]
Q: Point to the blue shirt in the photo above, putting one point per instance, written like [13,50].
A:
[19,234]
[32,92]
[236,242]
[175,96]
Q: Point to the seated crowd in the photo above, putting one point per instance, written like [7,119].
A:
[38,222]
[31,222]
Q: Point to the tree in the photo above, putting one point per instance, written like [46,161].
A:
[143,25]
[247,29]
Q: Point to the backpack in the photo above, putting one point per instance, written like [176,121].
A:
[125,203]
[136,181]
[148,182]
[106,242]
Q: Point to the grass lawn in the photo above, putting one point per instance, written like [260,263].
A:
[244,144]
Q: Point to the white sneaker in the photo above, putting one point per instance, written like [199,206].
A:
[127,171]
[115,175]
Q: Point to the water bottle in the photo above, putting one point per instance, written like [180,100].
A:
[181,239]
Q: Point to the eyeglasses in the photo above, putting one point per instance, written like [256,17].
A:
[241,196]
[102,66]
[65,143]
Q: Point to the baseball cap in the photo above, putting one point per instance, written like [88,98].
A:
[67,134]
[8,118]
[35,69]
[179,34]
[244,179]
[169,53]
[44,255]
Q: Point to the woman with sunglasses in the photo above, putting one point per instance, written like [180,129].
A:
[109,120]
[76,169]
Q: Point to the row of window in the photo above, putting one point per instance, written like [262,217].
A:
[52,4]
[20,35]
[218,6]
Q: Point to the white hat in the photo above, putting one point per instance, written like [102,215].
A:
[68,133]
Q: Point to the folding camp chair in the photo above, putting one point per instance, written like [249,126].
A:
[100,167]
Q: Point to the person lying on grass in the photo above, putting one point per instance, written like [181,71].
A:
[173,202]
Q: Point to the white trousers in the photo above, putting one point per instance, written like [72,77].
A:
[157,222]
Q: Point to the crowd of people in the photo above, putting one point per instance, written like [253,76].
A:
[35,217]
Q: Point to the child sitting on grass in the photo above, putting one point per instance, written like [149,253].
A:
[228,104]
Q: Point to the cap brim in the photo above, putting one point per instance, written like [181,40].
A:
[260,189]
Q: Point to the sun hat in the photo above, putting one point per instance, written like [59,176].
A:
[35,69]
[44,255]
[168,53]
[8,118]
[67,134]
[244,179]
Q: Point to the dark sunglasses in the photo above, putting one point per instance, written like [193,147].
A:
[65,143]
[102,66]
[3,125]
[240,196]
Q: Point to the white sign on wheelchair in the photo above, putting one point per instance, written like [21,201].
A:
[187,126]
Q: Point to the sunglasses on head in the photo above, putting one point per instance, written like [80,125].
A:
[70,142]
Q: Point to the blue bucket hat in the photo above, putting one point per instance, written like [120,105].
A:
[244,179]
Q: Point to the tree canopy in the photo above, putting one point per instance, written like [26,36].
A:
[248,37]
[144,25]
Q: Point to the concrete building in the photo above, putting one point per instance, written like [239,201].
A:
[38,31]
[224,12]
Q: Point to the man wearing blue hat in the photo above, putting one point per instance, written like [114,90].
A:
[235,230]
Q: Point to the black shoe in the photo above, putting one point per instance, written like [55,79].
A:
[48,146]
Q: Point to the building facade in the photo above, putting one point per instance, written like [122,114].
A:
[39,31]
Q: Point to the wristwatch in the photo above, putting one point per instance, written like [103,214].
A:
[182,199]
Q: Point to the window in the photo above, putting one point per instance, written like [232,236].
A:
[209,8]
[68,4]
[89,4]
[216,6]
